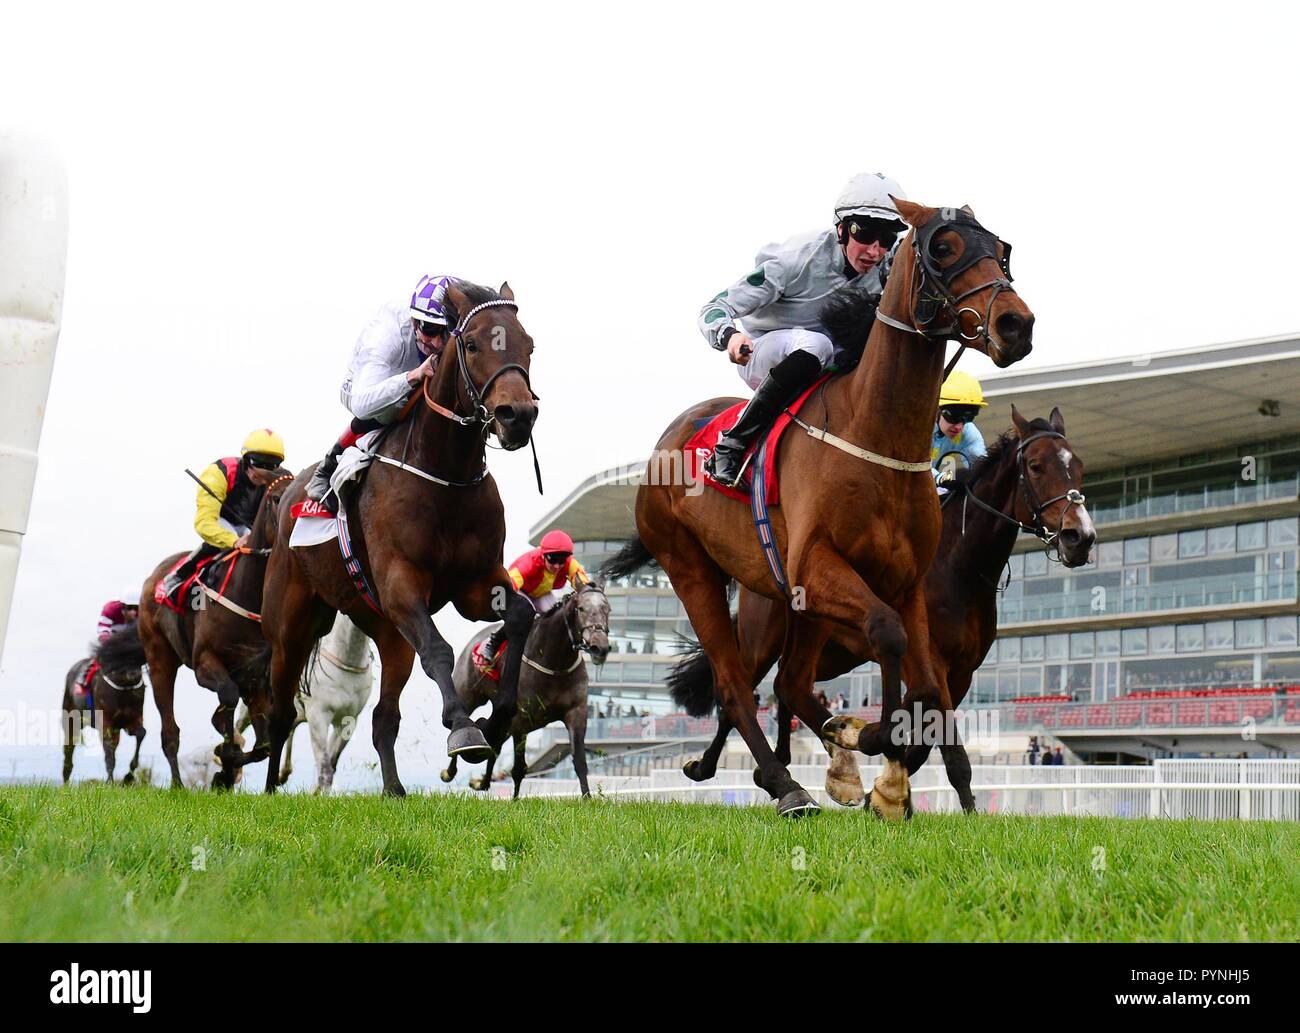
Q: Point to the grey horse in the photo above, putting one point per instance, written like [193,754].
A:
[552,680]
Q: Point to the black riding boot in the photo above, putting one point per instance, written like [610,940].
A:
[787,379]
[177,577]
[319,485]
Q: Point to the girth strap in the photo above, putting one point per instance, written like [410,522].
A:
[862,453]
[217,597]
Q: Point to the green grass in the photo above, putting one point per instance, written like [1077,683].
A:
[106,863]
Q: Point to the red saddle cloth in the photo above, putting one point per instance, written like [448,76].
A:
[700,447]
[172,602]
[489,668]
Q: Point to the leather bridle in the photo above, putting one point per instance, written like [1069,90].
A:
[932,293]
[476,394]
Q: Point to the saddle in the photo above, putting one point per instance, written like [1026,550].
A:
[190,591]
[700,447]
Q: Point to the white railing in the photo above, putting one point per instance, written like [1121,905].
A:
[1207,789]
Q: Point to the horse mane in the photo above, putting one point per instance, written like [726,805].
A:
[847,316]
[122,650]
[268,514]
[1004,446]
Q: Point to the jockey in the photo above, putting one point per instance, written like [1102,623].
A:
[960,400]
[781,300]
[119,612]
[540,574]
[230,491]
[396,352]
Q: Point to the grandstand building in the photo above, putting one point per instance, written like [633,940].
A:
[1182,628]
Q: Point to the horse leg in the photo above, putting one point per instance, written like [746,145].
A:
[795,680]
[338,740]
[286,766]
[576,721]
[137,730]
[110,735]
[835,591]
[494,600]
[701,586]
[449,772]
[520,770]
[71,718]
[396,657]
[162,676]
[706,766]
[784,717]
[212,674]
[318,725]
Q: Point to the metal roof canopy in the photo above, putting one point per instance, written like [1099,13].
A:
[1117,412]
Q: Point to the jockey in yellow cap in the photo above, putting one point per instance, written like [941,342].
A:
[230,490]
[960,400]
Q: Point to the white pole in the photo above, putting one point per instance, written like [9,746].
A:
[33,257]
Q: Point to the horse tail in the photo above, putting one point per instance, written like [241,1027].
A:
[310,668]
[691,683]
[628,560]
[122,650]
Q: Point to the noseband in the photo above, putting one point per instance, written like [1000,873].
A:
[1073,497]
[581,641]
[932,292]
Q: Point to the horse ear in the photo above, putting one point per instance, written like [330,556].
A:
[1022,425]
[505,291]
[968,210]
[913,214]
[1057,421]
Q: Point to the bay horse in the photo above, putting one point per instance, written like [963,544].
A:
[116,702]
[428,529]
[858,523]
[219,637]
[1030,481]
[552,683]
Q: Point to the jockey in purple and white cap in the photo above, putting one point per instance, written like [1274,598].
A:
[397,350]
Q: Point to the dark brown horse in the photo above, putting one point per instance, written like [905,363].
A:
[219,637]
[115,703]
[552,683]
[1024,483]
[427,528]
[858,524]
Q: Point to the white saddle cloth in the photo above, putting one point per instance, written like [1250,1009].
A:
[308,531]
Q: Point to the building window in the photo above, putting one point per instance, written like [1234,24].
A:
[1031,681]
[1081,646]
[1110,554]
[1137,550]
[1222,539]
[1283,532]
[1281,631]
[1249,634]
[1218,635]
[1191,638]
[1108,643]
[992,656]
[1017,565]
[1009,650]
[1031,647]
[641,605]
[1250,536]
[1191,544]
[667,606]
[1035,564]
[1058,647]
[1164,547]
[1135,641]
[1162,639]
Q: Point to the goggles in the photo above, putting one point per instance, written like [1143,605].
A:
[873,231]
[959,413]
[262,462]
[430,329]
[555,557]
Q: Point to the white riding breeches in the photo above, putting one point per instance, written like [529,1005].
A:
[773,346]
[543,603]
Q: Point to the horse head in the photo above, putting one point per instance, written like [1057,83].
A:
[492,354]
[262,534]
[1048,494]
[958,283]
[590,621]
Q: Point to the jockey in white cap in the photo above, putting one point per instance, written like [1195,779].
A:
[398,349]
[781,348]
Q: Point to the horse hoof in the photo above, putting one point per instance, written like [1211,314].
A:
[691,769]
[469,744]
[843,779]
[128,779]
[844,731]
[796,803]
[396,789]
[445,775]
[758,777]
[887,809]
[479,784]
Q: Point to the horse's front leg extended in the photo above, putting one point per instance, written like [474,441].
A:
[110,748]
[406,590]
[137,730]
[492,599]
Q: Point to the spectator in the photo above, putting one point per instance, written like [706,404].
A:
[1033,749]
[841,702]
[821,698]
[1057,757]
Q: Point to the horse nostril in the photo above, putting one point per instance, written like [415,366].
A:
[1014,329]
[504,414]
[1070,537]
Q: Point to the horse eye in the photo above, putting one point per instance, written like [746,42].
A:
[941,250]
[470,346]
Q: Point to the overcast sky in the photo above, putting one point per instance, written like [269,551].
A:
[249,183]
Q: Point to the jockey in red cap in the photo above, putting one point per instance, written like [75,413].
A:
[540,574]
